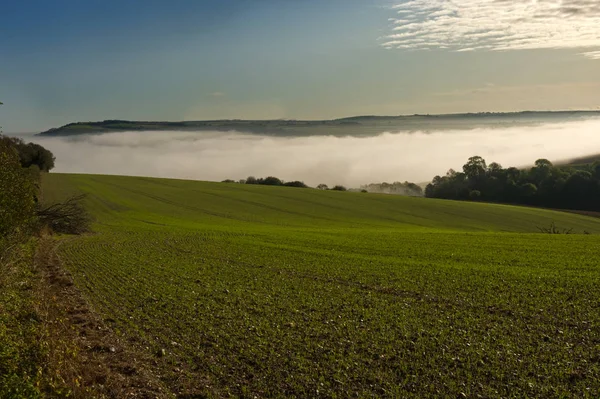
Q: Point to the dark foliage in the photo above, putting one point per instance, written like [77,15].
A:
[17,193]
[542,185]
[339,188]
[270,181]
[273,181]
[295,184]
[30,153]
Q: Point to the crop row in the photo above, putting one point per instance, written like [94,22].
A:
[353,314]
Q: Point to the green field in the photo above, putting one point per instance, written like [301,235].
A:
[256,291]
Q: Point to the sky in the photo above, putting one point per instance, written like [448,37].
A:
[70,60]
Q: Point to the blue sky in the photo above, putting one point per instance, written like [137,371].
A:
[67,60]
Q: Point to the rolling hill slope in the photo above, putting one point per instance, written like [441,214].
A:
[254,291]
[138,201]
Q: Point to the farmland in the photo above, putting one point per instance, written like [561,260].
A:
[254,291]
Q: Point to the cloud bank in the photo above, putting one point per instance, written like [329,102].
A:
[469,25]
[351,161]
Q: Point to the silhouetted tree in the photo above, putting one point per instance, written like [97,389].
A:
[475,168]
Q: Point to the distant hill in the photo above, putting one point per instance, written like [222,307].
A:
[584,160]
[351,126]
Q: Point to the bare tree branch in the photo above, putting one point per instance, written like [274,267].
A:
[68,217]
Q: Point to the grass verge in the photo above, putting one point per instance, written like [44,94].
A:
[22,353]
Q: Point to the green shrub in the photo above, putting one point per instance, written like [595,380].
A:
[17,193]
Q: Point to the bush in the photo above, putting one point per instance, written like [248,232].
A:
[17,193]
[267,181]
[339,188]
[270,181]
[30,153]
[295,184]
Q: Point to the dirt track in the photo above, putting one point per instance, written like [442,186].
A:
[85,354]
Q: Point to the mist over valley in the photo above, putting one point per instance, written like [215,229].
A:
[353,160]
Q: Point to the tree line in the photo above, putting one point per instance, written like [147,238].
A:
[275,181]
[544,184]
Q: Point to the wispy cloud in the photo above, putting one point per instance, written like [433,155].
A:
[469,25]
[595,55]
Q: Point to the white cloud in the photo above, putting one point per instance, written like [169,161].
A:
[467,25]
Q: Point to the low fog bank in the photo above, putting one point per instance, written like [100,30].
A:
[349,161]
